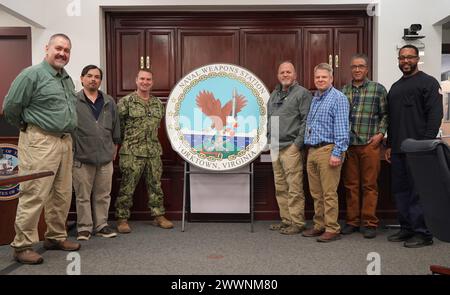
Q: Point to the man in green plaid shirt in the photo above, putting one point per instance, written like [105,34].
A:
[368,124]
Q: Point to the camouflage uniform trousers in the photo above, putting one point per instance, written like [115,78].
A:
[132,168]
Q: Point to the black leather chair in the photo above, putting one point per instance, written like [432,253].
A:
[429,163]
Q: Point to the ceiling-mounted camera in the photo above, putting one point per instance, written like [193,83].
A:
[411,33]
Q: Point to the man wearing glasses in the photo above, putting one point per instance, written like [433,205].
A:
[368,124]
[415,111]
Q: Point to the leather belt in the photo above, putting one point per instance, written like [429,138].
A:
[56,134]
[319,145]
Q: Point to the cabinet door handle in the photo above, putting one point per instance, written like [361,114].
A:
[336,61]
[142,62]
[330,60]
[148,62]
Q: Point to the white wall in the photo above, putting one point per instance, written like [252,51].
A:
[399,14]
[86,30]
[7,20]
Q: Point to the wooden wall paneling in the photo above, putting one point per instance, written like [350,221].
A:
[263,49]
[160,51]
[347,42]
[204,46]
[129,50]
[255,40]
[169,156]
[318,46]
[15,52]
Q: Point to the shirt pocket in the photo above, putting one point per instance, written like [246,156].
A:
[137,112]
[107,118]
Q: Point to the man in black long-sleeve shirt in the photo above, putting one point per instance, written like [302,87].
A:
[415,111]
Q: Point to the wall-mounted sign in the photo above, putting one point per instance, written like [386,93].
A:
[8,166]
[216,117]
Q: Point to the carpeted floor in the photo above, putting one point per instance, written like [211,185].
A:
[230,248]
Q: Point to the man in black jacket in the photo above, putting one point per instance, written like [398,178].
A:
[95,147]
[415,111]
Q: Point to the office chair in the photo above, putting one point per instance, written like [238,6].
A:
[429,164]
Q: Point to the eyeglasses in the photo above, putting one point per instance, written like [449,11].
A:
[407,57]
[356,67]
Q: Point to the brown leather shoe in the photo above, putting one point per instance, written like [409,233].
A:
[312,232]
[329,237]
[123,227]
[65,245]
[162,222]
[27,256]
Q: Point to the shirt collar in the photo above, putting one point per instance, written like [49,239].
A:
[363,85]
[320,96]
[279,87]
[52,71]
[99,96]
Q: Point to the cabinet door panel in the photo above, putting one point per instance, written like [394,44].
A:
[347,42]
[318,46]
[130,49]
[160,58]
[202,47]
[262,51]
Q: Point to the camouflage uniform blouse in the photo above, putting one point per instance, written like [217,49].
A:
[139,123]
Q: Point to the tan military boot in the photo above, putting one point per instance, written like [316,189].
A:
[162,222]
[123,227]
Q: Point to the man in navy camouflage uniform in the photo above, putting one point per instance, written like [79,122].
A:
[140,116]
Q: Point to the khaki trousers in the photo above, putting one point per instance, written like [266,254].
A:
[323,183]
[360,176]
[288,176]
[92,181]
[40,151]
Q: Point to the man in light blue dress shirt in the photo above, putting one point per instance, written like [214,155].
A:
[327,136]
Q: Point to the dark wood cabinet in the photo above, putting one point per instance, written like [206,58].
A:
[334,46]
[262,49]
[318,49]
[143,49]
[178,42]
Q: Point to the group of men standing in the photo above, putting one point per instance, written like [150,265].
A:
[76,136]
[344,131]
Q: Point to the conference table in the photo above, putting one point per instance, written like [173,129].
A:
[8,207]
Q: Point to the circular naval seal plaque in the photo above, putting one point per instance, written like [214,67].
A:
[8,166]
[216,117]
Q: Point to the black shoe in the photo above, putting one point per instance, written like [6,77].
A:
[349,229]
[401,236]
[417,241]
[106,232]
[370,232]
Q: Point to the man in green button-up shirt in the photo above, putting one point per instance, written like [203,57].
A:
[140,114]
[41,102]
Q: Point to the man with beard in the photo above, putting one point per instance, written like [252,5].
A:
[41,102]
[289,104]
[415,111]
[95,147]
